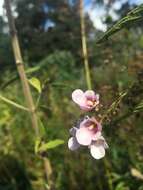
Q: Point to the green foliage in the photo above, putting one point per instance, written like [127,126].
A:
[50,145]
[52,62]
[12,174]
[5,49]
[41,147]
[36,84]
[57,27]
[134,16]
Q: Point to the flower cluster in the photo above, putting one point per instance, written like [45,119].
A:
[89,131]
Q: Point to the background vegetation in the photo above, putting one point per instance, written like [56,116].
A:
[50,39]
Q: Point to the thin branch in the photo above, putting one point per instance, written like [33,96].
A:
[13,103]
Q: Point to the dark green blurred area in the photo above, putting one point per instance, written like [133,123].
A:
[49,33]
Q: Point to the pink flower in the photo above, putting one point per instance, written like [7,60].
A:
[88,133]
[89,130]
[86,100]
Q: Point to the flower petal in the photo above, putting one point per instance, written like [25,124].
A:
[99,126]
[97,97]
[106,145]
[97,150]
[78,97]
[90,94]
[87,122]
[73,144]
[84,136]
[97,136]
[73,131]
[101,139]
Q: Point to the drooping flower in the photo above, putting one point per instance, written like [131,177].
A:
[88,133]
[86,100]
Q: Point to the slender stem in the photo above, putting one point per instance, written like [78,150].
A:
[24,80]
[38,100]
[84,45]
[49,173]
[13,103]
[20,67]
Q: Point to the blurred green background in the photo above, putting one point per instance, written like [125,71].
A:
[49,34]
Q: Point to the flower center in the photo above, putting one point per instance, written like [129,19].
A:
[92,126]
[90,103]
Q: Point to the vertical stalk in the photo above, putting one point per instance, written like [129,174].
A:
[24,81]
[49,173]
[87,72]
[20,68]
[84,45]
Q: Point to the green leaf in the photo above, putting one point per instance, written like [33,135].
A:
[132,17]
[139,107]
[51,144]
[35,83]
[47,186]
[120,186]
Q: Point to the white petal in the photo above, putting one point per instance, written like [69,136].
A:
[102,140]
[73,144]
[97,136]
[78,96]
[97,97]
[97,151]
[106,145]
[89,93]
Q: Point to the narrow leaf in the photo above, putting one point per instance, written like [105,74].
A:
[51,144]
[13,103]
[132,17]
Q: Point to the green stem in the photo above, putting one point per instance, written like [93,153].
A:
[84,46]
[38,100]
[13,103]
[24,80]
[20,67]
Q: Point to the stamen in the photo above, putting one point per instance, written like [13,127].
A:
[90,103]
[92,126]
